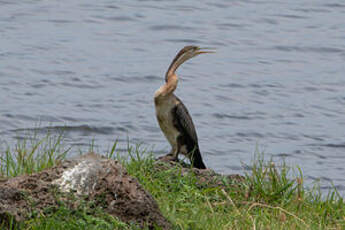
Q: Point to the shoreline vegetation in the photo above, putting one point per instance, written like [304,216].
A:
[268,196]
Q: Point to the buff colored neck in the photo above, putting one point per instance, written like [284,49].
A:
[169,87]
[171,79]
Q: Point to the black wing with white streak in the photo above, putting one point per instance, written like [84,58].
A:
[185,122]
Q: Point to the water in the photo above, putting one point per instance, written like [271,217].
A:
[276,82]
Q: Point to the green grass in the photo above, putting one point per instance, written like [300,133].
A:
[63,218]
[271,195]
[32,155]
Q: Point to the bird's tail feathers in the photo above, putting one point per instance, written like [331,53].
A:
[196,159]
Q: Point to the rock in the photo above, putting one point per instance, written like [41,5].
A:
[204,177]
[90,178]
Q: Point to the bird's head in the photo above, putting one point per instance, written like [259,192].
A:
[189,52]
[185,54]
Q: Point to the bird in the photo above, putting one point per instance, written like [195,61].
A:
[173,116]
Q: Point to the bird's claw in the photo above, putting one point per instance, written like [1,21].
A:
[168,157]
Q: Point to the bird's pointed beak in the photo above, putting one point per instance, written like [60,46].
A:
[205,50]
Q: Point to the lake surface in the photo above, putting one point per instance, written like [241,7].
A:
[276,83]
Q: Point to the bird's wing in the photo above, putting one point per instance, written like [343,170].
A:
[185,121]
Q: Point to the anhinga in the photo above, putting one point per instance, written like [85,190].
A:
[172,115]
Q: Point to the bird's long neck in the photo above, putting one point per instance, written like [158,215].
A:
[173,66]
[171,78]
[170,84]
[166,90]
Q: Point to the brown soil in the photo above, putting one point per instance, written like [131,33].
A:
[109,186]
[100,181]
[205,177]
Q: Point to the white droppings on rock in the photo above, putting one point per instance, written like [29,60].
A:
[82,178]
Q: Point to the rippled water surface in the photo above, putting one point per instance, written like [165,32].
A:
[276,83]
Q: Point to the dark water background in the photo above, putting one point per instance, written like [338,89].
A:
[276,83]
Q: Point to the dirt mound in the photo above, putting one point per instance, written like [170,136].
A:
[103,181]
[205,177]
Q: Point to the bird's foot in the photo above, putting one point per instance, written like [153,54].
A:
[169,157]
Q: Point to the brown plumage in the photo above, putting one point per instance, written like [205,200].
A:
[173,116]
